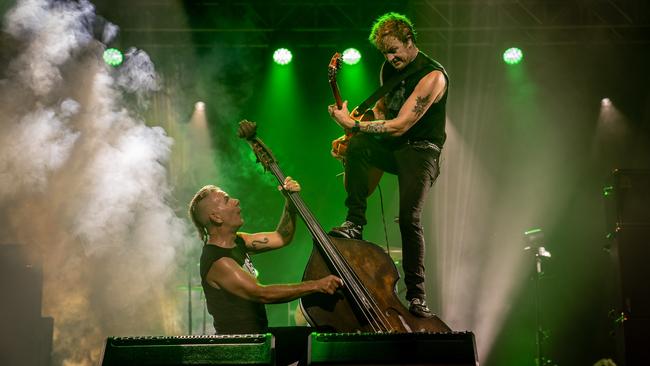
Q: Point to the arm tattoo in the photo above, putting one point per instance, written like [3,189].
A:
[287,224]
[374,127]
[420,104]
[259,244]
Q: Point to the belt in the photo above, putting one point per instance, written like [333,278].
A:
[424,144]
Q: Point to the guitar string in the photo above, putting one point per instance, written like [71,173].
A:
[310,222]
[337,257]
[352,281]
[372,305]
[376,320]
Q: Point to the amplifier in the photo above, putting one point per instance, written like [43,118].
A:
[245,349]
[439,349]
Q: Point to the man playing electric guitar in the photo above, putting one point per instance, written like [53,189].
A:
[406,139]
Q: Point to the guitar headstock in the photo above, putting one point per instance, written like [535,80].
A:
[248,131]
[334,66]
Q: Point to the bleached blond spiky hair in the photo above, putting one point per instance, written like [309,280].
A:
[192,211]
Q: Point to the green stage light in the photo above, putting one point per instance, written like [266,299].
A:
[351,56]
[113,57]
[513,56]
[282,56]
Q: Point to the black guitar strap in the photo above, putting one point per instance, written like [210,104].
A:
[390,84]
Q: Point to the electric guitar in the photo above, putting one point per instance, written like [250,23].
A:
[340,145]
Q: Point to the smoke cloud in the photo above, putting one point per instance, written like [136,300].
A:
[83,180]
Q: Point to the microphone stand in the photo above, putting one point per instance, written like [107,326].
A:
[534,240]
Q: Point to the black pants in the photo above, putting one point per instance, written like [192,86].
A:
[416,167]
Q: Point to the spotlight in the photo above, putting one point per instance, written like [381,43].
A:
[351,56]
[606,102]
[513,56]
[198,118]
[113,57]
[282,56]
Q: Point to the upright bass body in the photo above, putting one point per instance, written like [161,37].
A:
[376,271]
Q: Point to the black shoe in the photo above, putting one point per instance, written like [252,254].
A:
[418,307]
[348,230]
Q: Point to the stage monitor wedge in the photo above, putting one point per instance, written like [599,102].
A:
[435,349]
[246,349]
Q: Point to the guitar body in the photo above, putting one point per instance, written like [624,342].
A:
[378,274]
[340,148]
[340,145]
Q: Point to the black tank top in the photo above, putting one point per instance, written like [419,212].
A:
[231,314]
[431,127]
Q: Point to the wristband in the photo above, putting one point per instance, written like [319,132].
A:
[356,128]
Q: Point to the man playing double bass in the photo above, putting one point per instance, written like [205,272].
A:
[405,139]
[234,297]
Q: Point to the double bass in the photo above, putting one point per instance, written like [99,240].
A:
[368,301]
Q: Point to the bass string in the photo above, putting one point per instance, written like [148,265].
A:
[360,294]
[317,231]
[369,307]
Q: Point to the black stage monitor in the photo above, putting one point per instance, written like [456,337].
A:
[438,349]
[245,349]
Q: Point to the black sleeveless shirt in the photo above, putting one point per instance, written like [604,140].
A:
[431,126]
[231,314]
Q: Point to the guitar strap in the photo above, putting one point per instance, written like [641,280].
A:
[390,84]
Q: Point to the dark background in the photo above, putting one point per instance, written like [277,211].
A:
[534,133]
[528,145]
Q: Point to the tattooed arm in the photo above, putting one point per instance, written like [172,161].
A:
[287,225]
[428,91]
[283,234]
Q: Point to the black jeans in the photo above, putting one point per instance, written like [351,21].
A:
[416,166]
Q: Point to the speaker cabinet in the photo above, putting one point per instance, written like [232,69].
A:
[248,349]
[436,349]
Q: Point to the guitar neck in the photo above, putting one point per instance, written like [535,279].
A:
[337,94]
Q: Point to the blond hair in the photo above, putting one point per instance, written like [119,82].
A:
[392,24]
[192,211]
